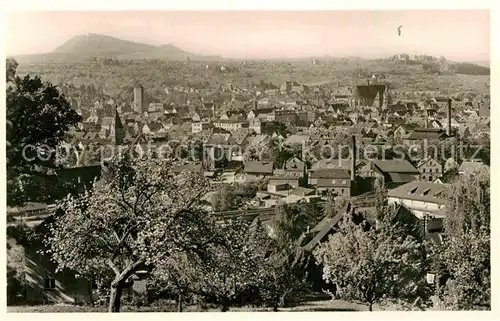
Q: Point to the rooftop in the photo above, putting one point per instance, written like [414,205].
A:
[259,167]
[395,166]
[421,191]
[331,173]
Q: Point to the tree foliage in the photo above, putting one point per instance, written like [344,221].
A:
[373,265]
[232,196]
[38,116]
[464,257]
[131,219]
[230,267]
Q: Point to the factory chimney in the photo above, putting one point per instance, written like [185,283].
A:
[353,159]
[426,119]
[448,128]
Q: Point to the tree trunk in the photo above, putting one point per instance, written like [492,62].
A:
[282,300]
[225,305]
[275,306]
[115,297]
[370,307]
[179,302]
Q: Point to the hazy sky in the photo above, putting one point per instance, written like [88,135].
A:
[457,35]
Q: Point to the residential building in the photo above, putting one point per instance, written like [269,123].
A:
[286,116]
[417,136]
[257,170]
[430,169]
[264,114]
[425,200]
[393,171]
[335,180]
[197,127]
[231,125]
[255,125]
[283,182]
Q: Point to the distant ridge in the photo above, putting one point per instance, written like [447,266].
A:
[102,46]
[96,44]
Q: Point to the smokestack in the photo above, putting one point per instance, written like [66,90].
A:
[448,129]
[353,159]
[426,119]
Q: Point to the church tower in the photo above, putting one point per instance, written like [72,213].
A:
[117,132]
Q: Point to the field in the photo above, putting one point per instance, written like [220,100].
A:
[321,305]
[155,74]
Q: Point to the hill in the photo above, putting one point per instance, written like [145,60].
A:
[97,45]
[101,46]
[439,65]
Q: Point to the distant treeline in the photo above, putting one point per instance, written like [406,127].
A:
[470,69]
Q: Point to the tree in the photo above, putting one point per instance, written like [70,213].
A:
[38,116]
[230,266]
[282,269]
[380,195]
[10,69]
[231,197]
[223,199]
[373,265]
[175,276]
[468,208]
[464,257]
[133,218]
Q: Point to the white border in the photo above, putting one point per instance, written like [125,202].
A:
[35,5]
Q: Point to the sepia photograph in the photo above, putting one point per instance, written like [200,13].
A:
[247,161]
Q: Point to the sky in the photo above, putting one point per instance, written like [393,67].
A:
[461,35]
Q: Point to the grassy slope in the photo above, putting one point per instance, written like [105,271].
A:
[337,305]
[152,73]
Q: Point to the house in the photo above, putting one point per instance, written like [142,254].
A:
[335,180]
[283,182]
[156,107]
[286,116]
[240,114]
[430,169]
[197,127]
[153,128]
[231,125]
[325,228]
[393,171]
[265,114]
[403,130]
[255,125]
[257,170]
[43,283]
[425,200]
[295,164]
[417,136]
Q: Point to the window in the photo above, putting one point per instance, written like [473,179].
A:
[50,283]
[333,181]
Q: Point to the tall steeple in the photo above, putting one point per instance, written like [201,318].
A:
[117,131]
